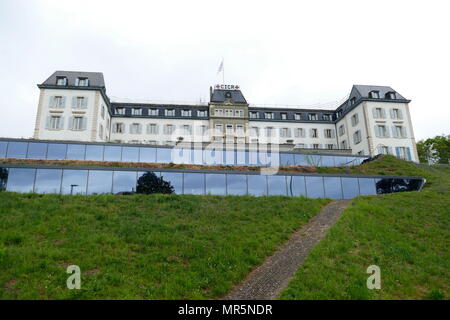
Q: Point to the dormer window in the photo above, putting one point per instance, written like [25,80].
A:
[186,113]
[136,111]
[120,111]
[391,95]
[61,81]
[82,82]
[283,116]
[313,117]
[352,101]
[374,94]
[326,116]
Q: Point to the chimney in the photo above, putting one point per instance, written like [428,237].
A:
[210,93]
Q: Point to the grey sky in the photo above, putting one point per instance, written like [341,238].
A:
[280,52]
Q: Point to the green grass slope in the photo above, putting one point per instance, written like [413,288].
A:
[405,234]
[140,246]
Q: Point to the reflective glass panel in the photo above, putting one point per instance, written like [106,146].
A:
[213,156]
[287,159]
[37,150]
[3,146]
[300,160]
[350,187]
[296,186]
[20,180]
[327,161]
[229,157]
[181,155]
[74,181]
[314,187]
[367,186]
[130,154]
[94,153]
[197,156]
[194,183]
[257,185]
[113,153]
[76,151]
[333,188]
[56,151]
[3,178]
[313,160]
[48,181]
[215,184]
[175,179]
[241,158]
[147,155]
[164,155]
[99,181]
[17,150]
[236,184]
[276,185]
[124,181]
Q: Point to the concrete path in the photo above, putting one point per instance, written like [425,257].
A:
[269,279]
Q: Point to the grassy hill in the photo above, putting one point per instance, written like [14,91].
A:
[405,234]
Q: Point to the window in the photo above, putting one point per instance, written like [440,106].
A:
[186,113]
[268,115]
[283,116]
[374,95]
[239,129]
[403,153]
[313,133]
[118,127]
[136,111]
[135,128]
[298,116]
[186,129]
[254,131]
[239,113]
[57,102]
[383,150]
[326,117]
[315,146]
[352,101]
[329,133]
[82,82]
[391,96]
[341,130]
[153,112]
[330,146]
[168,129]
[354,119]
[78,123]
[219,129]
[379,113]
[103,112]
[202,113]
[61,81]
[381,131]
[229,129]
[55,123]
[357,137]
[218,112]
[299,132]
[285,132]
[120,111]
[169,112]
[202,130]
[343,144]
[152,128]
[313,116]
[254,115]
[399,132]
[396,114]
[269,131]
[228,113]
[100,132]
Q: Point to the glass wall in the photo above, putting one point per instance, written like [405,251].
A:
[214,156]
[122,181]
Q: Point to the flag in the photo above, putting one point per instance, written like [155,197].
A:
[220,67]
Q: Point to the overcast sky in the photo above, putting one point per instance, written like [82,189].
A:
[280,52]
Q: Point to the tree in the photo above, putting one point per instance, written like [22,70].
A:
[434,150]
[3,178]
[150,183]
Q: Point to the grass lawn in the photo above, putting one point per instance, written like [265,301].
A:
[405,234]
[139,246]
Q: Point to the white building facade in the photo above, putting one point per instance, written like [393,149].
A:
[74,106]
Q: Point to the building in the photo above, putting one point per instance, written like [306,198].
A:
[74,106]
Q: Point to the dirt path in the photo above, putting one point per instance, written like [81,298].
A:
[269,279]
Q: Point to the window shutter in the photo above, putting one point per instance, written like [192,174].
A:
[392,113]
[377,131]
[70,123]
[77,81]
[333,133]
[139,129]
[63,102]
[408,154]
[47,122]
[51,102]
[390,150]
[85,102]
[74,101]
[404,133]
[374,112]
[397,152]
[84,124]
[383,113]
[394,132]
[400,114]
[61,123]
